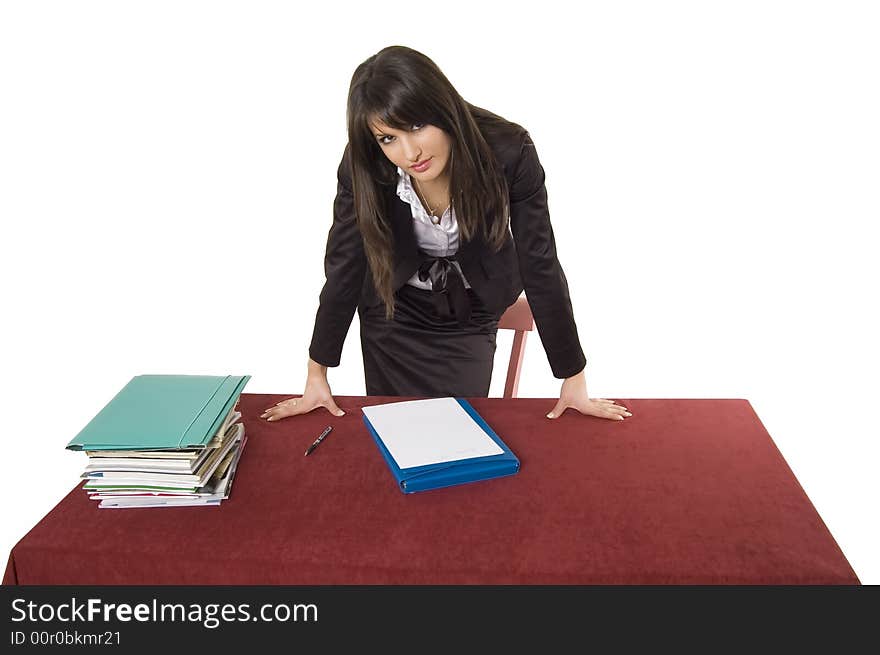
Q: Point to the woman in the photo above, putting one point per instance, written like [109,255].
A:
[440,222]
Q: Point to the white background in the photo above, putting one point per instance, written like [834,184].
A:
[167,174]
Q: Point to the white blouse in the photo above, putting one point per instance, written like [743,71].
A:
[436,236]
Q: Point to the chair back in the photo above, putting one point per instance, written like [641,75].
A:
[518,317]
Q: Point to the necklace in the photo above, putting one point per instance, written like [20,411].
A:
[434,219]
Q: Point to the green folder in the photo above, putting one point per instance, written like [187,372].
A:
[155,412]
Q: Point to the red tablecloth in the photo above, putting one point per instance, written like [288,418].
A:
[683,492]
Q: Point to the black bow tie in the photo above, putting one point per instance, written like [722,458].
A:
[450,295]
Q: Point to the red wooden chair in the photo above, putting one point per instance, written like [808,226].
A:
[517,317]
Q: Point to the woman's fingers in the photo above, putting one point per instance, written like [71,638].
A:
[278,415]
[612,403]
[557,410]
[609,410]
[283,402]
[613,412]
[618,412]
[274,414]
[331,406]
[302,405]
[289,407]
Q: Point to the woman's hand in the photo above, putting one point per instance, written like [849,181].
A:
[317,394]
[574,395]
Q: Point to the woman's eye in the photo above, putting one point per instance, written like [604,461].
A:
[416,126]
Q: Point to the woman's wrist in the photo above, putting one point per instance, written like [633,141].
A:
[316,370]
[580,374]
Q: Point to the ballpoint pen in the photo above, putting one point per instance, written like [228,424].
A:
[319,439]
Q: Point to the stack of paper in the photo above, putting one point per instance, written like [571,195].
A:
[165,441]
[161,478]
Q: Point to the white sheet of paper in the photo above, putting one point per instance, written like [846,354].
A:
[430,431]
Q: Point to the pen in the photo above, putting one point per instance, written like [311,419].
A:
[319,439]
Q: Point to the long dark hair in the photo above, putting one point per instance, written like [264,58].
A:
[401,87]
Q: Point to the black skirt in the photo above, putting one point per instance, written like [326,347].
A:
[421,352]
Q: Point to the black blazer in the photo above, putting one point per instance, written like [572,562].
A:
[527,261]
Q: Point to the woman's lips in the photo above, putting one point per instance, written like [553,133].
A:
[422,167]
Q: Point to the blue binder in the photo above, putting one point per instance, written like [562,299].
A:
[447,474]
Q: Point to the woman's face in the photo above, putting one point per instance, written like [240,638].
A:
[420,143]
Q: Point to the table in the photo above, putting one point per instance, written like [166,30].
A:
[686,491]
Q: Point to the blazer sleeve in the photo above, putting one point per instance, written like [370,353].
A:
[543,278]
[345,266]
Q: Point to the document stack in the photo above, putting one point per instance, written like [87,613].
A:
[165,441]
